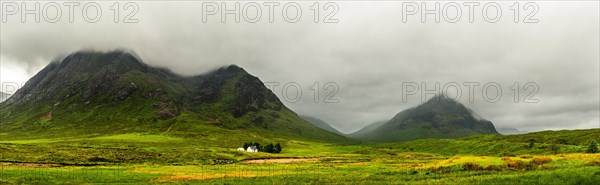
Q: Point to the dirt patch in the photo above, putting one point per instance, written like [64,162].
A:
[196,177]
[282,160]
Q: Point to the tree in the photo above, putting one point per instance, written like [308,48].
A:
[277,148]
[592,147]
[258,146]
[270,148]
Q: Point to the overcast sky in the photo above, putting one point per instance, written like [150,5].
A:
[369,54]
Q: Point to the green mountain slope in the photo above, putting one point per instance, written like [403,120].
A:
[564,137]
[440,117]
[321,124]
[94,93]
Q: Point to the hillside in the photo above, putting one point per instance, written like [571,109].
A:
[94,93]
[562,137]
[568,141]
[439,117]
[321,124]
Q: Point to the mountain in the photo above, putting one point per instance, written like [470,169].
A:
[366,130]
[509,131]
[99,93]
[439,117]
[4,96]
[321,124]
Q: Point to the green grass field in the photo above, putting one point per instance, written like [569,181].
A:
[138,158]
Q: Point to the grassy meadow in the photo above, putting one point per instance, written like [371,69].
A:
[139,158]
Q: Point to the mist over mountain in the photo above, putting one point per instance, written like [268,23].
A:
[114,92]
[363,132]
[439,117]
[321,124]
[509,131]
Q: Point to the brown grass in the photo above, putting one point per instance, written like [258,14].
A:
[593,163]
[526,157]
[540,160]
[516,164]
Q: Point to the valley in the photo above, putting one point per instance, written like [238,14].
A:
[109,118]
[146,159]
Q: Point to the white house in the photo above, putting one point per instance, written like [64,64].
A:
[252,149]
[240,149]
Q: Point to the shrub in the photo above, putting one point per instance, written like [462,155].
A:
[531,143]
[540,160]
[516,164]
[443,169]
[593,163]
[592,147]
[526,157]
[471,166]
[555,148]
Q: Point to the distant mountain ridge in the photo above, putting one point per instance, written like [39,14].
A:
[439,117]
[321,124]
[509,131]
[363,132]
[115,92]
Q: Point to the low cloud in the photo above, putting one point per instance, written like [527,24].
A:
[368,54]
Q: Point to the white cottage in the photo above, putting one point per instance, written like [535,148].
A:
[240,149]
[252,149]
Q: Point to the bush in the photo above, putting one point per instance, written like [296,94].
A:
[471,166]
[555,148]
[593,163]
[592,147]
[526,157]
[531,143]
[516,164]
